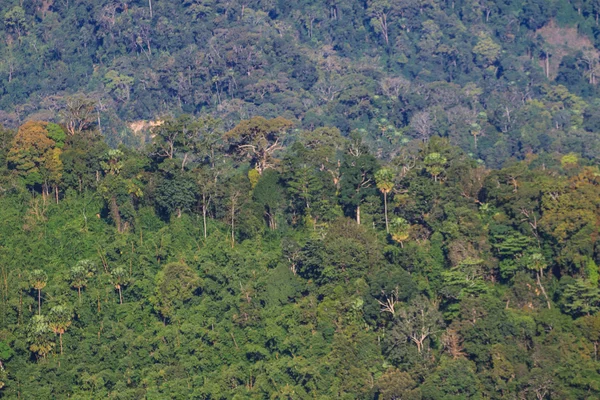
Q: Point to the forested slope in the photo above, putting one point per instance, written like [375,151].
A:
[208,199]
[499,78]
[219,265]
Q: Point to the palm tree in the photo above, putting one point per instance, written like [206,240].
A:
[400,230]
[38,280]
[59,321]
[119,279]
[38,336]
[80,273]
[384,179]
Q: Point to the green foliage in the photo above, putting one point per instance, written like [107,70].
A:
[455,379]
[315,302]
[38,336]
[56,133]
[581,298]
[175,194]
[174,260]
[175,284]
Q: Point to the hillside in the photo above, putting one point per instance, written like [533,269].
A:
[377,200]
[476,72]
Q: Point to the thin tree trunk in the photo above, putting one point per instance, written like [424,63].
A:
[385,208]
[204,214]
[233,225]
[358,214]
[79,294]
[61,344]
[39,301]
[120,295]
[539,282]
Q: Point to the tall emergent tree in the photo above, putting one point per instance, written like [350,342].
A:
[59,320]
[258,139]
[39,336]
[384,178]
[38,280]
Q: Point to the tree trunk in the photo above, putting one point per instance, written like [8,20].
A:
[385,210]
[185,157]
[204,214]
[61,345]
[358,214]
[56,193]
[79,294]
[232,224]
[419,344]
[39,301]
[539,282]
[120,295]
[114,208]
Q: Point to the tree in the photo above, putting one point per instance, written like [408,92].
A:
[30,151]
[422,125]
[52,171]
[175,285]
[119,278]
[14,20]
[435,164]
[258,139]
[6,354]
[80,273]
[320,147]
[384,178]
[379,10]
[418,321]
[78,113]
[357,181]
[269,195]
[176,194]
[486,50]
[119,191]
[452,379]
[38,280]
[38,336]
[207,180]
[537,263]
[119,85]
[590,326]
[581,298]
[400,230]
[59,321]
[182,138]
[395,385]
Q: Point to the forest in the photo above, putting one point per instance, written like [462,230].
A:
[263,199]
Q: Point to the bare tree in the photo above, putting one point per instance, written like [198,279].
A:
[78,113]
[417,322]
[393,87]
[421,124]
[453,344]
[590,60]
[389,301]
